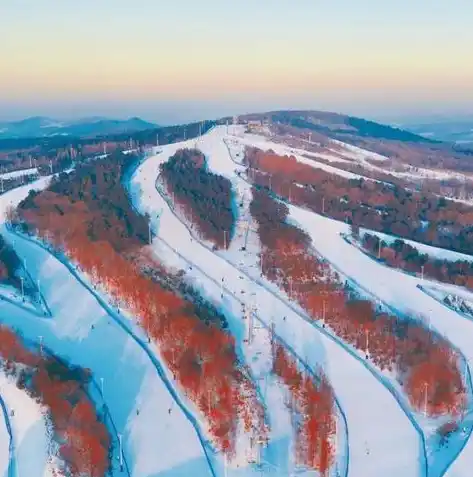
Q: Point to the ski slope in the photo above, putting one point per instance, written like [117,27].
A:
[19,173]
[29,428]
[162,434]
[84,332]
[382,439]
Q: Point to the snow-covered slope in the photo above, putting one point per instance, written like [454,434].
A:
[29,428]
[87,334]
[377,433]
[19,173]
[377,427]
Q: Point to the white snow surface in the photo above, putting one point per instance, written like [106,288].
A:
[30,433]
[19,173]
[382,440]
[265,144]
[155,443]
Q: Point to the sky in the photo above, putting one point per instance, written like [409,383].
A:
[172,61]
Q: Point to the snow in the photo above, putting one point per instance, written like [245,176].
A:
[115,354]
[359,154]
[283,150]
[369,407]
[378,435]
[432,251]
[19,173]
[392,287]
[30,433]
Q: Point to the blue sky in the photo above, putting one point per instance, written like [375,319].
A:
[172,61]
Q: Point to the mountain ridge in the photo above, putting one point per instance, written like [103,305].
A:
[42,126]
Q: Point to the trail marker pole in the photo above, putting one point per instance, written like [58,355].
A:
[422,272]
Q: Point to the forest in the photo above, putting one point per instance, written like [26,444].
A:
[423,362]
[312,405]
[400,254]
[206,198]
[79,431]
[383,207]
[61,152]
[87,215]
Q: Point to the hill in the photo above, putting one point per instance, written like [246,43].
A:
[37,127]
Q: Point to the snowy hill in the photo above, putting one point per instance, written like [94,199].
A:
[296,376]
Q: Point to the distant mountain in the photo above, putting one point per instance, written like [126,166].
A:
[459,131]
[340,126]
[39,126]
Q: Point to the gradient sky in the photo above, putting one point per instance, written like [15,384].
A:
[177,60]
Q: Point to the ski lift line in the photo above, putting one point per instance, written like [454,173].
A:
[395,311]
[288,347]
[381,379]
[142,343]
[278,337]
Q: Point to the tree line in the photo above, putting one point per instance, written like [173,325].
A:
[79,431]
[88,216]
[399,254]
[379,206]
[207,198]
[422,362]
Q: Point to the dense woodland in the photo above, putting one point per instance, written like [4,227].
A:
[378,206]
[87,215]
[206,198]
[399,254]
[9,264]
[422,361]
[60,152]
[77,428]
[312,405]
